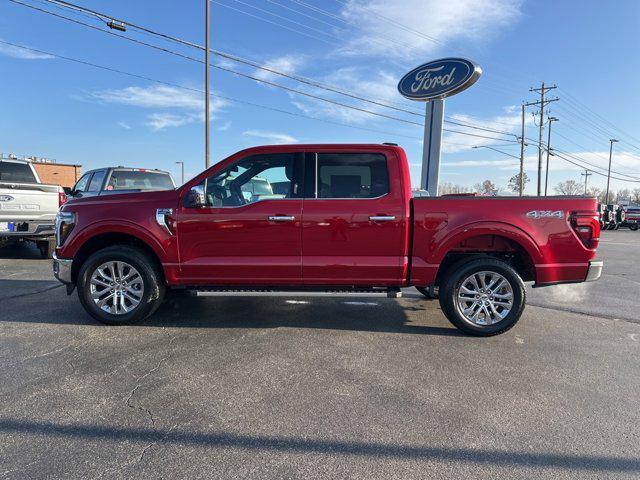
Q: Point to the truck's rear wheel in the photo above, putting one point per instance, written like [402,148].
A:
[633,226]
[483,297]
[120,285]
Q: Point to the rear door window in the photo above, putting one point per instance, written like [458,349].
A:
[16,172]
[351,175]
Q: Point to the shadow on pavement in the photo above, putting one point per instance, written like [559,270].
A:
[341,313]
[21,250]
[10,288]
[333,447]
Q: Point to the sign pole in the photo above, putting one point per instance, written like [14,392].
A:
[431,83]
[433,121]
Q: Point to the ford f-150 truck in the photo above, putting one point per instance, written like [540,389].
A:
[27,207]
[344,220]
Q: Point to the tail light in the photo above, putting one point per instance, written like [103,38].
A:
[587,227]
[62,198]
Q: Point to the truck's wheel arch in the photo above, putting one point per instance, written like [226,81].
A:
[97,238]
[490,239]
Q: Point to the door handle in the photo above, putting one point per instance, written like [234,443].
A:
[382,218]
[281,218]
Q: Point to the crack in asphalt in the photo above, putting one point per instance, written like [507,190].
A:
[583,312]
[21,295]
[139,381]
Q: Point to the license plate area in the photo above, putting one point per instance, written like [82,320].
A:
[7,227]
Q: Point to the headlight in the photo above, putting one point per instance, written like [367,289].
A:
[65,221]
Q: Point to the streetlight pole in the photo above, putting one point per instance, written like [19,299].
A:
[546,175]
[611,141]
[586,175]
[522,156]
[206,87]
[181,172]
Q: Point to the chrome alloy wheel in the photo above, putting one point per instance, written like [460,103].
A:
[116,287]
[484,298]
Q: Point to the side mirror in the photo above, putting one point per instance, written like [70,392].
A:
[196,197]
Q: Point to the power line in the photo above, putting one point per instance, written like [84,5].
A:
[582,105]
[245,75]
[267,82]
[280,25]
[266,68]
[224,97]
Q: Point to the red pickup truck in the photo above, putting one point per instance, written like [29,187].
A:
[329,218]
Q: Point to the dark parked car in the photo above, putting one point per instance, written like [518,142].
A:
[112,180]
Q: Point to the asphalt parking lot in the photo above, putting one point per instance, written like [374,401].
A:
[321,387]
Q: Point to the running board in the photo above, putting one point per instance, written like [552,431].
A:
[283,292]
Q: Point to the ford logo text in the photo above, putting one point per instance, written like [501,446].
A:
[439,79]
[6,198]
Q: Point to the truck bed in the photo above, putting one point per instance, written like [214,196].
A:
[538,229]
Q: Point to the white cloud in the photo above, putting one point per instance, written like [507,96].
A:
[160,121]
[274,137]
[21,53]
[224,127]
[186,106]
[156,96]
[380,86]
[447,21]
[510,122]
[285,64]
[124,125]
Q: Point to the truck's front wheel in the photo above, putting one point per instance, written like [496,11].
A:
[120,285]
[483,297]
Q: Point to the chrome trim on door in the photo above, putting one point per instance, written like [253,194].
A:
[281,218]
[382,218]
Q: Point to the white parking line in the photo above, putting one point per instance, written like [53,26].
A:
[621,243]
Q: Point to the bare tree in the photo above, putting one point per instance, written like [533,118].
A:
[596,192]
[448,187]
[486,188]
[569,187]
[514,182]
[623,194]
[636,195]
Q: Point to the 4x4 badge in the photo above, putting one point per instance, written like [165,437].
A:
[545,214]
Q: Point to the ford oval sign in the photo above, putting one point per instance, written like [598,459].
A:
[5,198]
[439,79]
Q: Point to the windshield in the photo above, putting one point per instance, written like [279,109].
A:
[16,172]
[139,180]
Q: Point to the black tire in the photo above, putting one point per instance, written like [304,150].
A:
[633,226]
[456,276]
[152,277]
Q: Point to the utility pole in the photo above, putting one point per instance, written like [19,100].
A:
[546,174]
[206,86]
[542,102]
[181,171]
[522,155]
[586,176]
[611,142]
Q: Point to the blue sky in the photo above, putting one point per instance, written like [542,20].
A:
[80,114]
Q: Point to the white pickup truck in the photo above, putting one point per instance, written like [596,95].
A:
[27,207]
